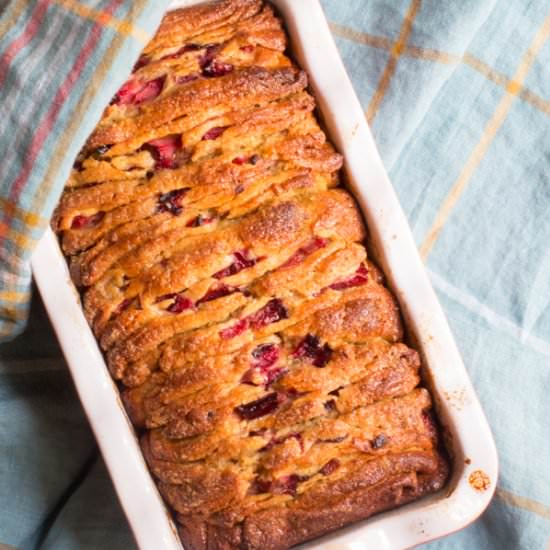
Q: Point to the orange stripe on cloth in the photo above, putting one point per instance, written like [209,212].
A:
[512,86]
[10,18]
[486,139]
[96,81]
[395,53]
[23,242]
[13,314]
[107,20]
[429,54]
[27,218]
[524,503]
[20,240]
[380,42]
[13,296]
[437,56]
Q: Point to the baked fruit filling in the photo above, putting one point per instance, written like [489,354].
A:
[224,273]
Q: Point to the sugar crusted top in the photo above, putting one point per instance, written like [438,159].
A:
[225,277]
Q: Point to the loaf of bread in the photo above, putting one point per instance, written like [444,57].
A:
[225,276]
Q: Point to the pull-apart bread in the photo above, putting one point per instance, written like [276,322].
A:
[224,274]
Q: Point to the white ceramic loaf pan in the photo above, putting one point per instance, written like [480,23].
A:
[468,437]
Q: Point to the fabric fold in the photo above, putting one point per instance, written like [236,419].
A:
[60,64]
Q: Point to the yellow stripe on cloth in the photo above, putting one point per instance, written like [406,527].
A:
[107,20]
[13,296]
[395,53]
[512,86]
[95,82]
[384,43]
[28,219]
[17,7]
[437,56]
[380,42]
[22,241]
[489,133]
[429,54]
[524,503]
[12,314]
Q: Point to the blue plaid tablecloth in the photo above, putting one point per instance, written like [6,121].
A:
[458,96]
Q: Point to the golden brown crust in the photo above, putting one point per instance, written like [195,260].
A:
[227,281]
[378,485]
[178,25]
[254,85]
[376,488]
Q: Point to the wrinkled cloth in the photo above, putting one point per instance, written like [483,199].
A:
[458,96]
[61,61]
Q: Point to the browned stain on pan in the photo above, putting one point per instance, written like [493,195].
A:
[457,399]
[479,480]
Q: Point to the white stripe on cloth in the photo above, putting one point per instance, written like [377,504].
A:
[493,318]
